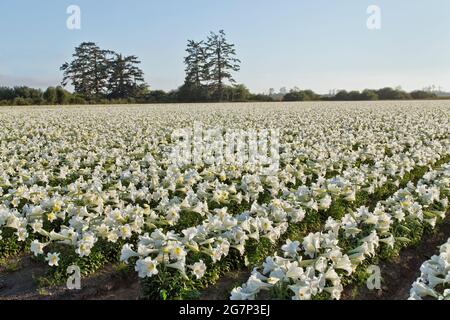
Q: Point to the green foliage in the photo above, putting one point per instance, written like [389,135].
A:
[260,98]
[50,95]
[10,265]
[221,62]
[187,219]
[392,94]
[76,99]
[96,74]
[10,246]
[21,96]
[238,93]
[25,96]
[193,93]
[62,96]
[368,94]
[302,95]
[209,65]
[337,209]
[126,79]
[169,284]
[196,61]
[103,252]
[88,72]
[186,93]
[421,95]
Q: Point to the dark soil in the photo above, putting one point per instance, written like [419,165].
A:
[17,282]
[107,284]
[222,288]
[399,274]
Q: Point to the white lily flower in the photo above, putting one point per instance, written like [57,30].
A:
[127,252]
[290,248]
[52,258]
[198,269]
[311,244]
[146,267]
[301,292]
[37,248]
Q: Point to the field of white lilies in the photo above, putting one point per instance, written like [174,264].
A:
[304,197]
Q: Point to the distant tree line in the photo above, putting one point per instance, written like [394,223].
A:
[101,76]
[301,95]
[238,93]
[382,94]
[22,96]
[365,95]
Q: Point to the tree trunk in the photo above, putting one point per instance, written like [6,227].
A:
[219,75]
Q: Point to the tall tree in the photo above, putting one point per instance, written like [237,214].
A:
[221,61]
[196,64]
[88,71]
[126,78]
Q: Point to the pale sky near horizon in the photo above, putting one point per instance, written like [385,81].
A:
[311,44]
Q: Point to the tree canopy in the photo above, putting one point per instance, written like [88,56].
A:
[96,73]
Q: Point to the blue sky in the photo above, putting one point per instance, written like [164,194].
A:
[316,44]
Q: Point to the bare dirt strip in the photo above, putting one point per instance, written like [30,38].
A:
[107,284]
